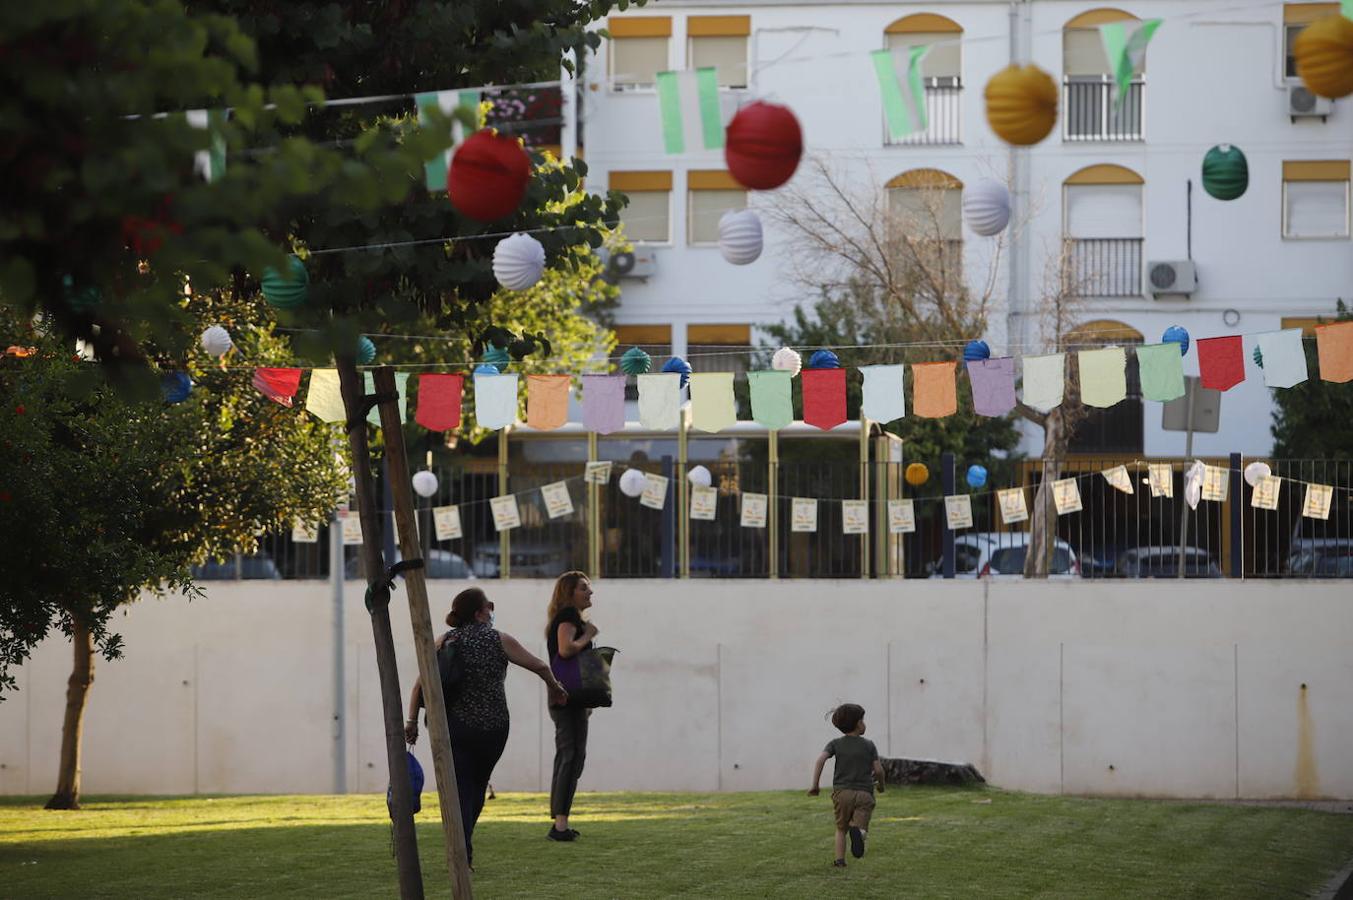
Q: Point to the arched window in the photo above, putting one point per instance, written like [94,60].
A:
[1102,226]
[941,69]
[1117,429]
[1090,114]
[925,222]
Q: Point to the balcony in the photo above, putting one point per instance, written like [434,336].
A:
[1103,267]
[943,115]
[1090,115]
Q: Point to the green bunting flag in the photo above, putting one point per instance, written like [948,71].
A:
[1126,52]
[210,163]
[689,103]
[447,101]
[903,106]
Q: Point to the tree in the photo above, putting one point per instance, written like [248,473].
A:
[1314,420]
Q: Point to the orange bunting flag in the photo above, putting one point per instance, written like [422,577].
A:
[547,401]
[933,391]
[1334,345]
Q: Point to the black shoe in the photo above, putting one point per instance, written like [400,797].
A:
[856,842]
[838,863]
[566,835]
[575,832]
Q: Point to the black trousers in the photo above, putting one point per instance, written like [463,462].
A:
[570,752]
[474,752]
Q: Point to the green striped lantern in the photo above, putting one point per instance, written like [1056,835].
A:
[496,357]
[635,362]
[286,290]
[1226,175]
[366,351]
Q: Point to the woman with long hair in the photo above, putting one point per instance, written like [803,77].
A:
[477,714]
[567,634]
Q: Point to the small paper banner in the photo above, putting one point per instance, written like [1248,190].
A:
[597,473]
[958,511]
[901,516]
[655,491]
[302,533]
[439,401]
[1013,507]
[324,398]
[854,517]
[1118,478]
[1066,495]
[1161,478]
[1266,491]
[803,514]
[704,502]
[557,500]
[505,514]
[446,521]
[753,511]
[1216,480]
[824,397]
[1317,503]
[352,529]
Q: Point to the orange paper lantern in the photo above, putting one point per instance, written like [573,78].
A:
[1324,52]
[1021,104]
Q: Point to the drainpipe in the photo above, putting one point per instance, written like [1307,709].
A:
[1017,262]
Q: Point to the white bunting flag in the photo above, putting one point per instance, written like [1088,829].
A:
[704,502]
[1066,495]
[557,500]
[1266,491]
[901,516]
[803,514]
[1013,507]
[854,517]
[1160,476]
[597,473]
[1317,503]
[655,491]
[352,529]
[1215,483]
[505,513]
[446,520]
[753,510]
[1119,479]
[958,511]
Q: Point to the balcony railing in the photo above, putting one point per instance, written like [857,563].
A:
[1103,267]
[1090,113]
[943,114]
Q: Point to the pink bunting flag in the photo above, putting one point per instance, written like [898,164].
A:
[278,385]
[439,401]
[1221,362]
[993,385]
[604,403]
[824,397]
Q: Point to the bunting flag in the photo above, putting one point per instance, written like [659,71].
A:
[903,103]
[604,403]
[993,385]
[1103,376]
[401,388]
[495,400]
[1221,362]
[688,102]
[712,407]
[278,385]
[547,401]
[1161,368]
[772,398]
[824,397]
[1044,381]
[210,164]
[1126,51]
[1284,357]
[883,399]
[934,393]
[324,398]
[435,170]
[1334,348]
[659,400]
[439,401]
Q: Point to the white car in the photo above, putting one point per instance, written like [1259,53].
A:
[1000,554]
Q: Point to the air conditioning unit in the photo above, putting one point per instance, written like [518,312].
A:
[642,262]
[1176,276]
[1301,103]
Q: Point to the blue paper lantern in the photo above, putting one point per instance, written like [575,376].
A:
[1176,335]
[977,475]
[175,386]
[366,351]
[974,350]
[680,366]
[485,369]
[823,359]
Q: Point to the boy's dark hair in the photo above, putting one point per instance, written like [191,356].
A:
[846,716]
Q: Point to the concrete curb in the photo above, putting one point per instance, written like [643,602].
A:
[1340,887]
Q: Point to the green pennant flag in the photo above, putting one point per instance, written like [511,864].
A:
[689,104]
[772,399]
[1161,370]
[401,387]
[1346,7]
[903,108]
[210,163]
[447,101]
[1126,51]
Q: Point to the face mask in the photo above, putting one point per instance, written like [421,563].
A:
[490,622]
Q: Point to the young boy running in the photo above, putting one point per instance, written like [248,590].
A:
[857,766]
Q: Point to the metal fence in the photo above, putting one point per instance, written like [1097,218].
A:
[944,115]
[1104,267]
[1091,114]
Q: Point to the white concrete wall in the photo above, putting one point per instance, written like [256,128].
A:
[1190,690]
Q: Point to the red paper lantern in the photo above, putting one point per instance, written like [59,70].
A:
[763,146]
[488,177]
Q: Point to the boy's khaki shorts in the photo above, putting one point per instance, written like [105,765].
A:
[852,808]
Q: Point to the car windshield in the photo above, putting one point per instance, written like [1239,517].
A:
[1010,561]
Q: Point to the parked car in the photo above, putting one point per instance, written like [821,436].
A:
[529,560]
[1321,557]
[1163,562]
[1001,554]
[257,567]
[437,563]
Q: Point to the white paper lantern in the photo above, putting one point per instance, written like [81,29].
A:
[424,483]
[786,360]
[986,207]
[633,482]
[700,476]
[740,238]
[518,262]
[216,341]
[1255,471]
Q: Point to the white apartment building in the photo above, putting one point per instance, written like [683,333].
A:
[1124,189]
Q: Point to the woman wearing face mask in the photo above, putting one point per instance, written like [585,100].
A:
[477,714]
[567,635]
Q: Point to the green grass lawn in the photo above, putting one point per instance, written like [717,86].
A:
[924,842]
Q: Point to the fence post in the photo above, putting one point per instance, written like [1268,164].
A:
[504,536]
[1235,499]
[593,514]
[668,521]
[682,490]
[947,482]
[773,502]
[864,494]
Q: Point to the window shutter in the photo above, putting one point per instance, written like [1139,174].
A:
[1316,208]
[1083,52]
[707,207]
[636,61]
[728,54]
[945,59]
[1103,211]
[647,217]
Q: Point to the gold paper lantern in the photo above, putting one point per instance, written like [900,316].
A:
[1324,52]
[917,474]
[1021,104]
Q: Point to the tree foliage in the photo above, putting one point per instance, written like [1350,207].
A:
[1314,420]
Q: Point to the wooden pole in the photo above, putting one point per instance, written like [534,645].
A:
[415,585]
[405,838]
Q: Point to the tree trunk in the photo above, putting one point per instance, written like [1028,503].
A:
[1043,518]
[67,794]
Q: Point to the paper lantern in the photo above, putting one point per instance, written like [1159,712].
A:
[680,366]
[1226,174]
[485,369]
[975,350]
[762,146]
[977,475]
[986,207]
[1176,334]
[700,476]
[175,386]
[424,483]
[1021,104]
[1324,54]
[366,351]
[286,290]
[635,362]
[788,360]
[824,359]
[518,262]
[1258,357]
[917,474]
[633,482]
[488,176]
[740,238]
[216,341]
[1255,471]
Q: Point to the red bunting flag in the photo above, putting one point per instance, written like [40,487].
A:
[824,397]
[278,385]
[439,401]
[1221,362]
